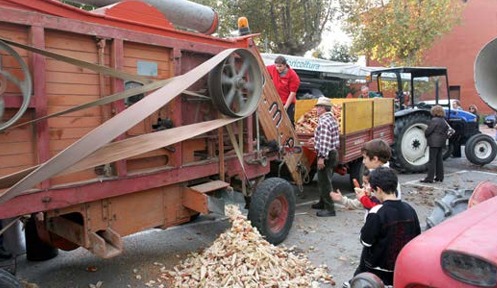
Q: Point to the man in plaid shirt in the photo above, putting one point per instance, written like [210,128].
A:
[326,142]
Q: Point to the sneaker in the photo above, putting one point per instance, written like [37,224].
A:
[346,284]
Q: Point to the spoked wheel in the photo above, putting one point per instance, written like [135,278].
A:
[272,209]
[235,85]
[25,85]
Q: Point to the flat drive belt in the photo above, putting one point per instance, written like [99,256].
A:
[117,125]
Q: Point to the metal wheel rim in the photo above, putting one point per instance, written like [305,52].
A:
[277,214]
[483,149]
[239,86]
[414,145]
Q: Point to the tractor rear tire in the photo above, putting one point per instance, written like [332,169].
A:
[480,149]
[410,153]
[453,203]
[7,280]
[272,209]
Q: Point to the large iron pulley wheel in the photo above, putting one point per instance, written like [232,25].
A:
[235,85]
[24,83]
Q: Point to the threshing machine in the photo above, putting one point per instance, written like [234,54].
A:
[115,121]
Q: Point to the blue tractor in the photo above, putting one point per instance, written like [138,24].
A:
[416,90]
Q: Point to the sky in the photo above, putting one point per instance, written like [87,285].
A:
[332,36]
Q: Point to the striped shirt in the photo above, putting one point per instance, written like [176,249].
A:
[326,135]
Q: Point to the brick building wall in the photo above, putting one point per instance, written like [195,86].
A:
[457,50]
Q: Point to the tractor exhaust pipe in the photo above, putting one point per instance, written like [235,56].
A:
[486,74]
[181,13]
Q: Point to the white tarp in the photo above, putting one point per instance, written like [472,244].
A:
[329,68]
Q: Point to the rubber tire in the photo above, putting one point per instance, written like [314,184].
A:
[403,125]
[37,249]
[356,171]
[7,280]
[453,203]
[475,143]
[265,194]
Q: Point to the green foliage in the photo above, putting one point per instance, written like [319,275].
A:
[289,27]
[341,53]
[398,31]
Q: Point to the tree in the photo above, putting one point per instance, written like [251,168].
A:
[341,53]
[287,26]
[398,31]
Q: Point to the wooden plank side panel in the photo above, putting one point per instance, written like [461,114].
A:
[383,111]
[17,146]
[161,56]
[69,100]
[69,133]
[67,86]
[357,116]
[72,121]
[7,62]
[88,112]
[149,203]
[134,52]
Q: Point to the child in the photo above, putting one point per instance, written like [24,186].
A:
[388,228]
[375,153]
[363,194]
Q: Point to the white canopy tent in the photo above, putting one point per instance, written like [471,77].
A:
[327,67]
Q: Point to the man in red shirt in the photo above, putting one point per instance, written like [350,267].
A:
[287,83]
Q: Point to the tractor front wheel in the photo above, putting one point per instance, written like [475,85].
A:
[272,209]
[480,149]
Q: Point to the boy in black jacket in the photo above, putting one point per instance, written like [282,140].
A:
[389,226]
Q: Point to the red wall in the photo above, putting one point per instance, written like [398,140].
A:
[458,49]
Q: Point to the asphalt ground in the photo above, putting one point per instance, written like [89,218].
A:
[332,241]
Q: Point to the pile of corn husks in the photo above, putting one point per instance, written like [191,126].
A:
[308,122]
[240,257]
